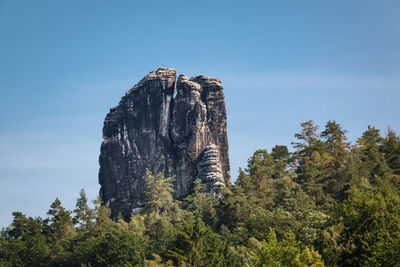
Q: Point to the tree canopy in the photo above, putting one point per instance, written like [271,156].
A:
[324,202]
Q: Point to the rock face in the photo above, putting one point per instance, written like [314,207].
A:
[183,135]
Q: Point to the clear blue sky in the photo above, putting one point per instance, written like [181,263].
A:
[63,64]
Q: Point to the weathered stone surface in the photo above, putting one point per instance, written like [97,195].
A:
[184,136]
[209,170]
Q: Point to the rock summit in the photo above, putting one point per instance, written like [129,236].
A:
[164,124]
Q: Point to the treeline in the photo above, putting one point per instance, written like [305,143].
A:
[327,203]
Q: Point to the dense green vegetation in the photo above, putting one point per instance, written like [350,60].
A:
[327,203]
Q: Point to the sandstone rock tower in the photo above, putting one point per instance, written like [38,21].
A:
[183,135]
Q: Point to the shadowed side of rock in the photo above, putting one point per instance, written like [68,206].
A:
[152,129]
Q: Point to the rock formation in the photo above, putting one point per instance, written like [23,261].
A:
[183,135]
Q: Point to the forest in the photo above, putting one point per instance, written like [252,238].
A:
[323,202]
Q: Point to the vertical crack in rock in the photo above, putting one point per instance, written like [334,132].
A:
[184,136]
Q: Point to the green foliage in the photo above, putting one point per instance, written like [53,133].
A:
[23,242]
[335,139]
[197,245]
[315,172]
[281,158]
[311,228]
[323,166]
[157,261]
[158,193]
[103,220]
[84,215]
[308,138]
[391,151]
[118,248]
[286,252]
[160,232]
[326,200]
[260,168]
[371,219]
[309,258]
[201,204]
[368,152]
[331,248]
[61,231]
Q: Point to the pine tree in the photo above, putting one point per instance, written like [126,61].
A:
[103,217]
[197,245]
[371,159]
[61,229]
[370,234]
[158,193]
[391,150]
[84,216]
[335,137]
[281,157]
[23,242]
[309,142]
[202,204]
[309,138]
[312,161]
[260,167]
[337,174]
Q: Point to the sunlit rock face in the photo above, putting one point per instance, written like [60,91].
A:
[182,135]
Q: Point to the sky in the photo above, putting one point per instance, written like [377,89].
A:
[63,64]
